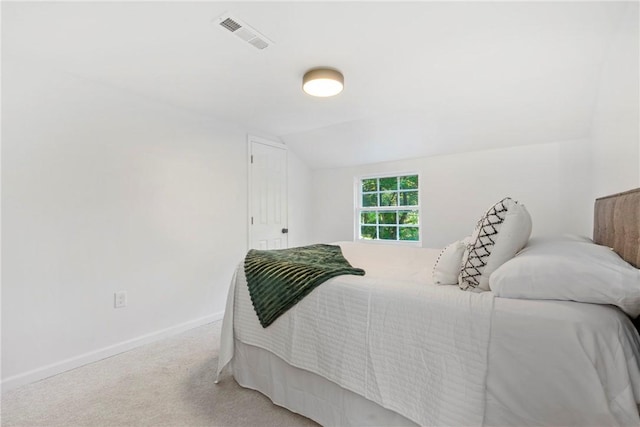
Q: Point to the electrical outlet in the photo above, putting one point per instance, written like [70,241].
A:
[120,299]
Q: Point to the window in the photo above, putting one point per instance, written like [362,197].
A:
[389,208]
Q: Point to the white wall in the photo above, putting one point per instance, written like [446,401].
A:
[616,120]
[300,199]
[550,179]
[105,191]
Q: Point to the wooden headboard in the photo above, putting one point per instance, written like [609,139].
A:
[616,224]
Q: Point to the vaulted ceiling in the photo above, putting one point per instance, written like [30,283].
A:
[421,78]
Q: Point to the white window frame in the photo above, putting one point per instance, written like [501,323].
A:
[358,208]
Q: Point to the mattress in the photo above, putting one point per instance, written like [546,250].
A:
[546,362]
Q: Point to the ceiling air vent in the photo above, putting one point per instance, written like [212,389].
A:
[244,31]
[230,24]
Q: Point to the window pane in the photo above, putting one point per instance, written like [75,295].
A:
[389,208]
[388,233]
[368,218]
[369,185]
[387,217]
[408,217]
[370,200]
[409,233]
[368,232]
[387,184]
[388,199]
[409,198]
[409,182]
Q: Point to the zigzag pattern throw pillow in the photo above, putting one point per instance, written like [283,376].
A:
[499,234]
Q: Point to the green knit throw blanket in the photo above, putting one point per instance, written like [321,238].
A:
[278,279]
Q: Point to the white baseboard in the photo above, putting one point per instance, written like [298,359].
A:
[102,353]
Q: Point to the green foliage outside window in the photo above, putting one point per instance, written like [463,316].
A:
[368,218]
[370,200]
[369,233]
[388,233]
[409,182]
[409,233]
[388,184]
[408,217]
[409,198]
[369,185]
[387,217]
[380,215]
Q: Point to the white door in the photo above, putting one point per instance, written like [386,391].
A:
[267,194]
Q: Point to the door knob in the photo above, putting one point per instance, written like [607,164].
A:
[285,230]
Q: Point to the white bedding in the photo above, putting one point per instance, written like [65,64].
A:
[562,363]
[421,350]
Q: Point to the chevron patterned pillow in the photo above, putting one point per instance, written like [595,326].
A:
[499,234]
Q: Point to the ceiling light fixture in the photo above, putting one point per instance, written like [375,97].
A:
[323,82]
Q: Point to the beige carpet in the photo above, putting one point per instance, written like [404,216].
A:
[166,383]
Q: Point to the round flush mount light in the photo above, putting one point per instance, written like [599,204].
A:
[323,82]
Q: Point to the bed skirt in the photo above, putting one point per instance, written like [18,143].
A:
[306,393]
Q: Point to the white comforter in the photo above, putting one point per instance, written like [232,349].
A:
[382,335]
[421,350]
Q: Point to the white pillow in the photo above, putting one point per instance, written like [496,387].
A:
[570,270]
[447,267]
[500,233]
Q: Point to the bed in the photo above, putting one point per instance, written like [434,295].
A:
[391,348]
